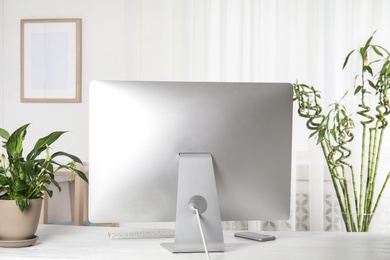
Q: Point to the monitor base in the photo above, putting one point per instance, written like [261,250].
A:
[197,189]
[173,248]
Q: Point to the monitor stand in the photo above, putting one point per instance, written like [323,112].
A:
[196,186]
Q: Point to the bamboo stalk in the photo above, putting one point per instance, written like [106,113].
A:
[369,172]
[377,164]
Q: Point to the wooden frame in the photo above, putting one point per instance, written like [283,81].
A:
[50,61]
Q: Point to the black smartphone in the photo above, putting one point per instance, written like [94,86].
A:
[255,236]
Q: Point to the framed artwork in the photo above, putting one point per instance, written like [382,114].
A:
[50,62]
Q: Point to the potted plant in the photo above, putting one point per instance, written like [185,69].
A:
[25,178]
[356,187]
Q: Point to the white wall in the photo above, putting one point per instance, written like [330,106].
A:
[103,57]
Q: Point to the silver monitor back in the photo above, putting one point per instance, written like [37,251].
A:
[138,129]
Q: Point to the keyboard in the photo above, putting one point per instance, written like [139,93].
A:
[137,234]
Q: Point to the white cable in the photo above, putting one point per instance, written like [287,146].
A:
[201,233]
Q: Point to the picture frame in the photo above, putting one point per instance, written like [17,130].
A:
[50,65]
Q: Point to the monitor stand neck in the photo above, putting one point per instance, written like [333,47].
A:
[196,184]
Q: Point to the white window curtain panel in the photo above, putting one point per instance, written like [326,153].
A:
[265,41]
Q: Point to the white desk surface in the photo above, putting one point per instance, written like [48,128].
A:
[81,242]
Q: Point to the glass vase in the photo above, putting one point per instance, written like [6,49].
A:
[354,222]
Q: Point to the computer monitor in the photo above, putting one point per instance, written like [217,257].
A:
[231,143]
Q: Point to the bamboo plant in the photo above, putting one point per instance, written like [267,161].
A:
[355,187]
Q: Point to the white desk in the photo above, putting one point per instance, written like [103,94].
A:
[80,242]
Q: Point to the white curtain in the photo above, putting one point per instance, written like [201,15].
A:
[264,40]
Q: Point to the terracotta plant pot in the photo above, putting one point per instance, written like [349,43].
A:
[18,225]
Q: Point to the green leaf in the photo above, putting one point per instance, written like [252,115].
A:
[28,170]
[49,192]
[347,58]
[372,84]
[343,112]
[4,133]
[363,53]
[385,68]
[22,202]
[376,50]
[369,69]
[369,41]
[82,175]
[313,133]
[14,144]
[75,159]
[20,185]
[351,122]
[4,180]
[45,179]
[56,184]
[71,156]
[321,135]
[333,133]
[337,117]
[357,90]
[43,143]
